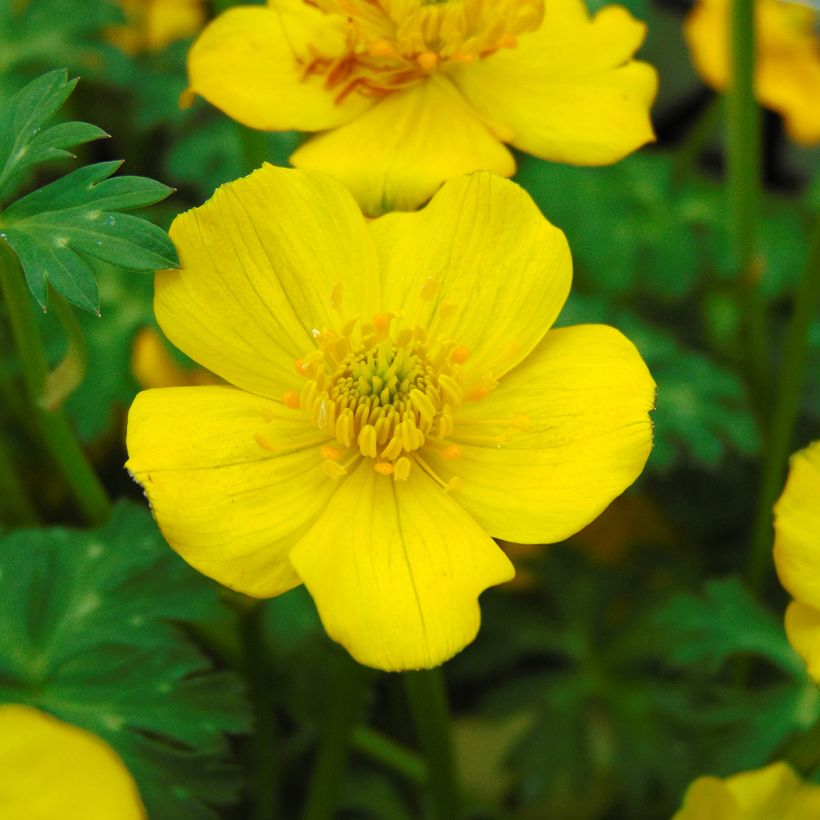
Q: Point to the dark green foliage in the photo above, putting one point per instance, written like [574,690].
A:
[90,631]
[55,229]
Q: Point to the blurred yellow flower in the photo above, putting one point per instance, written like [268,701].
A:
[410,93]
[772,793]
[787,73]
[153,24]
[50,770]
[398,395]
[797,553]
[153,365]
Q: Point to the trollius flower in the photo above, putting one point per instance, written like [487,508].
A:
[797,553]
[409,93]
[151,25]
[50,769]
[399,398]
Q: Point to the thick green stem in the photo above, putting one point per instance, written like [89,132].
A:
[53,426]
[779,442]
[428,702]
[264,775]
[744,192]
[331,760]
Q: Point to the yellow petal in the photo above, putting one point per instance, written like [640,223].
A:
[483,246]
[575,416]
[233,480]
[569,91]
[708,799]
[803,631]
[50,770]
[797,528]
[259,261]
[252,61]
[398,153]
[395,569]
[774,792]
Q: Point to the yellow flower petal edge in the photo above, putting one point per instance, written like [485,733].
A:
[421,92]
[797,528]
[803,631]
[153,24]
[580,400]
[50,770]
[250,63]
[763,794]
[397,583]
[339,456]
[787,71]
[217,465]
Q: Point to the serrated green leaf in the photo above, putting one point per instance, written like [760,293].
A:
[53,228]
[723,622]
[88,632]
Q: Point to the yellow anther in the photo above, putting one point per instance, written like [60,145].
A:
[265,442]
[429,288]
[393,449]
[291,399]
[332,469]
[344,429]
[401,471]
[408,435]
[428,60]
[381,48]
[383,468]
[453,484]
[307,396]
[368,441]
[460,354]
[425,407]
[336,296]
[451,389]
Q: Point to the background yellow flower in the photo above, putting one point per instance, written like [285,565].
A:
[787,75]
[50,770]
[763,794]
[410,93]
[398,395]
[153,24]
[797,553]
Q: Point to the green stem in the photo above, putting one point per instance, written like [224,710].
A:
[390,753]
[331,761]
[688,154]
[744,193]
[15,498]
[264,776]
[428,704]
[53,426]
[784,415]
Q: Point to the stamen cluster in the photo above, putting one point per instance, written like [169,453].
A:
[392,44]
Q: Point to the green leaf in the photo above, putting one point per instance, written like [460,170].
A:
[723,622]
[90,634]
[54,229]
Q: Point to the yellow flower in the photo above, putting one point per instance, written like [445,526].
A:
[772,793]
[787,73]
[398,395]
[153,365]
[410,93]
[797,554]
[154,24]
[50,770]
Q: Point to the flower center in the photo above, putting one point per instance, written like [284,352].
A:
[391,395]
[392,44]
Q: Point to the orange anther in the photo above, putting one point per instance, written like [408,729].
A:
[478,393]
[381,321]
[381,48]
[330,453]
[300,366]
[451,452]
[460,354]
[507,40]
[291,399]
[383,468]
[427,60]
